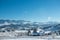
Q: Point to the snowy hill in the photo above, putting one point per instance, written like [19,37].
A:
[12,25]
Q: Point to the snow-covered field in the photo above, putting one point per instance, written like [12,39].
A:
[31,38]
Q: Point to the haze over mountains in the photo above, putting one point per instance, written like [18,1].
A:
[25,25]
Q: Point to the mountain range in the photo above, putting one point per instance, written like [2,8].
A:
[25,25]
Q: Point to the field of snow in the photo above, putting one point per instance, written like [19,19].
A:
[31,38]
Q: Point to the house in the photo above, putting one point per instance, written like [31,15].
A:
[35,32]
[21,32]
[47,33]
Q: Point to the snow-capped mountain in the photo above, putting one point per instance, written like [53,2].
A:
[22,24]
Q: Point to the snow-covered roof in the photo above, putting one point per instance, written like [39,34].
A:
[21,31]
[46,32]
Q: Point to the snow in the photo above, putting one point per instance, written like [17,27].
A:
[21,31]
[5,23]
[47,32]
[29,39]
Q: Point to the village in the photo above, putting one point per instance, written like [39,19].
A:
[37,32]
[28,32]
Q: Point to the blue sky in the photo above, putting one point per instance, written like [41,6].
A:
[32,10]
